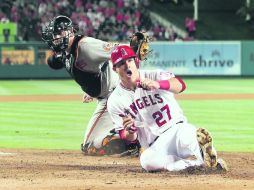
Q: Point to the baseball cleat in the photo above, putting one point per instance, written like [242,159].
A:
[221,165]
[206,145]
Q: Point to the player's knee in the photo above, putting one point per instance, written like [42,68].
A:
[187,136]
[185,142]
[145,160]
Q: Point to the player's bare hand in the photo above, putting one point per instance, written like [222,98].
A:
[128,124]
[131,129]
[87,98]
[149,84]
[127,121]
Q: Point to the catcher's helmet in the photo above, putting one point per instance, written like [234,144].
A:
[122,53]
[57,32]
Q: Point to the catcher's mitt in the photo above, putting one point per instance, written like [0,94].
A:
[139,42]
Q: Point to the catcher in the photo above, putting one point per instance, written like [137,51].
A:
[87,59]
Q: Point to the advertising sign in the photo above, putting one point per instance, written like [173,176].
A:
[196,58]
[17,57]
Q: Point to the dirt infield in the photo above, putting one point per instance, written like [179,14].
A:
[61,169]
[42,98]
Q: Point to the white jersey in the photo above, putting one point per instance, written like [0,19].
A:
[168,139]
[158,110]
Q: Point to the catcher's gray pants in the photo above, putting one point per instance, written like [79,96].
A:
[99,125]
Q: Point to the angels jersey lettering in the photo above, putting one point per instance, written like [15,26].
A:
[156,109]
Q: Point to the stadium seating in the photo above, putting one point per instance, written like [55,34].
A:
[117,19]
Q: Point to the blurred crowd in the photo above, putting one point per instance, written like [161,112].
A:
[109,20]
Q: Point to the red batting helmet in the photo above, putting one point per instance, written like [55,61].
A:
[121,53]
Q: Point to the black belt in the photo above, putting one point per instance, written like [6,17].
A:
[110,91]
[100,98]
[162,133]
[179,122]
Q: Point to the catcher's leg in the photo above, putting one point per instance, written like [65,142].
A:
[98,126]
[98,140]
[97,129]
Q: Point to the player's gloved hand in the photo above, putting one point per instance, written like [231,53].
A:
[55,62]
[87,98]
[148,84]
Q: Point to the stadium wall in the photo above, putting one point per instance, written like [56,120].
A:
[26,61]
[197,58]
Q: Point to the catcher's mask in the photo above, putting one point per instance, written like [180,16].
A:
[122,53]
[57,33]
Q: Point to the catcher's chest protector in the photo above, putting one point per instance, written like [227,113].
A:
[81,77]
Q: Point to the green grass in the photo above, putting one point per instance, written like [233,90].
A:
[194,86]
[45,125]
[61,125]
[230,122]
[38,87]
[219,86]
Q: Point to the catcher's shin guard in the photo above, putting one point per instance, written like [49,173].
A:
[207,150]
[111,145]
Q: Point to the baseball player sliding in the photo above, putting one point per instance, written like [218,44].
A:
[143,107]
[86,59]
